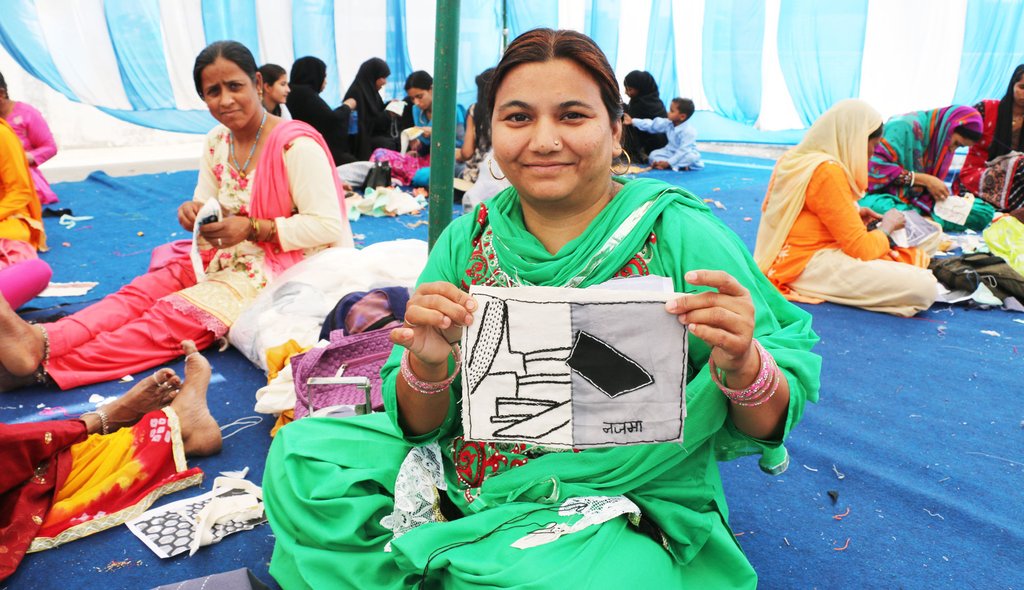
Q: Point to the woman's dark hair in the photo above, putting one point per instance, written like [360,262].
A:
[419,79]
[481,111]
[541,45]
[877,132]
[1004,121]
[3,83]
[309,71]
[271,73]
[968,133]
[642,82]
[233,51]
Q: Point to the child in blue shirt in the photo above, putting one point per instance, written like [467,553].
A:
[681,152]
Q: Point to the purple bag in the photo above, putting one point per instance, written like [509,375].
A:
[357,355]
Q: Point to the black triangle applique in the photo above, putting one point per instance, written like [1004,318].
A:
[605,367]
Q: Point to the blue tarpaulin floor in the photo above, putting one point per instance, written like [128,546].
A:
[919,434]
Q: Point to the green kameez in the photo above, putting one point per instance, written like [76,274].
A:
[328,483]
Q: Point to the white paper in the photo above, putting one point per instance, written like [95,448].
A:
[953,208]
[396,106]
[408,135]
[67,289]
[210,207]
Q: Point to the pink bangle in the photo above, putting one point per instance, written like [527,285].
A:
[430,387]
[761,390]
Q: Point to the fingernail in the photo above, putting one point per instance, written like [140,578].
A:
[671,305]
[690,276]
[471,304]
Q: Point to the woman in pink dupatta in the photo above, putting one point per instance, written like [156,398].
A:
[280,200]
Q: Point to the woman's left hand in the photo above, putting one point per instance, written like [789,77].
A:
[724,319]
[227,232]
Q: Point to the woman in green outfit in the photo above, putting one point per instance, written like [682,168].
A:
[402,499]
[908,168]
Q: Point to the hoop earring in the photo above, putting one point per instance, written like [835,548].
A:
[629,164]
[490,161]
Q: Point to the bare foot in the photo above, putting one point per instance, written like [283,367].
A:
[151,393]
[21,347]
[9,382]
[199,431]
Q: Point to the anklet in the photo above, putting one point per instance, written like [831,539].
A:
[46,345]
[40,375]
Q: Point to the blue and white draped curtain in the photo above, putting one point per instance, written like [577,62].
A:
[763,65]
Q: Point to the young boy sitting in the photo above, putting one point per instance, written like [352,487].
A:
[681,152]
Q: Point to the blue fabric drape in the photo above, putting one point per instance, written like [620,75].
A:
[397,50]
[313,34]
[661,50]
[602,25]
[479,44]
[993,47]
[233,20]
[133,25]
[22,37]
[524,15]
[731,64]
[820,46]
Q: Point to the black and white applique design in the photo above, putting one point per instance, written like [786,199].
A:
[568,368]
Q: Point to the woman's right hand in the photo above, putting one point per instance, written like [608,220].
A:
[933,185]
[187,214]
[434,319]
[892,221]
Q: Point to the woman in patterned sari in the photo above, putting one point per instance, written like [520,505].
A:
[909,167]
[813,243]
[1003,120]
[346,516]
[67,479]
[280,198]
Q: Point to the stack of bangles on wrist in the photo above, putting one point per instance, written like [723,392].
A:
[430,387]
[761,390]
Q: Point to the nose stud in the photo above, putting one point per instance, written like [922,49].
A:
[557,142]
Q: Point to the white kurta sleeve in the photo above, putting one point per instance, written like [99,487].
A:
[207,187]
[318,221]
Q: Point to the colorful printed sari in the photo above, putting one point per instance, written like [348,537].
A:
[329,483]
[60,485]
[919,142]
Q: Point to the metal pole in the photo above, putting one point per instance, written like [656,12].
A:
[442,140]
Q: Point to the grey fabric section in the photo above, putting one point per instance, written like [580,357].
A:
[240,579]
[647,334]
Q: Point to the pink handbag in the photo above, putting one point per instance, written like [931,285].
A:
[344,373]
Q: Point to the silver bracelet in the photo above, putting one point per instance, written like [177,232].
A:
[104,425]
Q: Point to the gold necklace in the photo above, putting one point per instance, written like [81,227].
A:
[252,150]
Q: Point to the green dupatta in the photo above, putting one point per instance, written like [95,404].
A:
[677,485]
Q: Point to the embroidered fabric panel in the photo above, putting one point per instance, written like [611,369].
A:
[476,461]
[567,368]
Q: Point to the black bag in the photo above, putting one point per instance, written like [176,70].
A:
[965,273]
[379,175]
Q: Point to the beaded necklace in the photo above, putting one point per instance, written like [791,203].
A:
[252,150]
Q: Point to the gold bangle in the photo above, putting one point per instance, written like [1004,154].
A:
[254,233]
